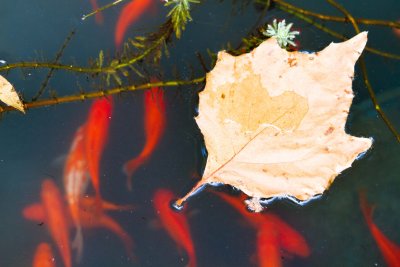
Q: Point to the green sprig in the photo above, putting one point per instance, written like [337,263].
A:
[180,14]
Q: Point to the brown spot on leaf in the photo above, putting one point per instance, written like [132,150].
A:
[329,130]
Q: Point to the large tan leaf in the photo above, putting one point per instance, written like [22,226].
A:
[273,121]
[9,96]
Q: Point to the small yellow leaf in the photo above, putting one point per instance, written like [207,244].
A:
[273,121]
[9,96]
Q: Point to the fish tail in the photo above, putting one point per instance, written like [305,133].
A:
[77,243]
[192,260]
[130,168]
[366,209]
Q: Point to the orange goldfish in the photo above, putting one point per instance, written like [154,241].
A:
[96,134]
[268,250]
[174,223]
[88,219]
[56,218]
[389,250]
[99,16]
[154,128]
[273,234]
[129,14]
[43,256]
[75,184]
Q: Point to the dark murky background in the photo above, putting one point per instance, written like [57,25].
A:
[33,146]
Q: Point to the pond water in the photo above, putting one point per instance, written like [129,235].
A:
[34,146]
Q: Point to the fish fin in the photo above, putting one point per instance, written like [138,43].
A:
[130,168]
[113,226]
[98,205]
[77,244]
[107,205]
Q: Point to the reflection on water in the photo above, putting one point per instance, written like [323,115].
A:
[124,228]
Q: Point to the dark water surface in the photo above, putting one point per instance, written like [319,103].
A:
[34,146]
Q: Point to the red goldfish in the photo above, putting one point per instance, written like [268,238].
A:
[96,134]
[268,250]
[129,14]
[88,219]
[98,16]
[56,218]
[43,256]
[174,223]
[154,128]
[389,250]
[273,234]
[75,183]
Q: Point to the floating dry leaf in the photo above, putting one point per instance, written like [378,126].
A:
[9,96]
[273,121]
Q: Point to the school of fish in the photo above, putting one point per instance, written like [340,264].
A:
[74,210]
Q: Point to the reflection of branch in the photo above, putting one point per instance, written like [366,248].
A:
[56,60]
[365,75]
[102,93]
[391,24]
[336,34]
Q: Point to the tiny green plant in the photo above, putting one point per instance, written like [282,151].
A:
[281,32]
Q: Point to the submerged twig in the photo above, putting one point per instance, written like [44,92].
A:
[391,24]
[336,34]
[94,12]
[101,93]
[56,60]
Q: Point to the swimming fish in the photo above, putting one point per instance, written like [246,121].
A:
[88,219]
[174,223]
[389,250]
[273,234]
[129,14]
[75,184]
[56,218]
[96,135]
[43,256]
[268,249]
[99,16]
[154,125]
